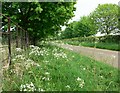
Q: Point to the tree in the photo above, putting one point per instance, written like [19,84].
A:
[106,18]
[85,27]
[119,16]
[40,19]
[69,31]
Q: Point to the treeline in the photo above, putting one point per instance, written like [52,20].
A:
[40,19]
[103,19]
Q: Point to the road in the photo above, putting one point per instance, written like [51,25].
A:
[108,56]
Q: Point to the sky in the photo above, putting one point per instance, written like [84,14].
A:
[85,7]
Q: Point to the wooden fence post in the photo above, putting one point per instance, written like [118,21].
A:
[21,38]
[24,39]
[9,42]
[27,39]
[25,44]
[16,36]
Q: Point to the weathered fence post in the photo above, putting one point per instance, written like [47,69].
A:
[9,42]
[16,36]
[21,38]
[27,39]
[24,39]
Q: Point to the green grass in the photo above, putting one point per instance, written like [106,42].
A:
[58,70]
[110,46]
[101,45]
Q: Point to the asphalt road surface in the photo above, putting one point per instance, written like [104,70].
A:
[108,56]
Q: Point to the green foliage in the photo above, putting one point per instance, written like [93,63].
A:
[39,18]
[84,27]
[106,18]
[68,33]
[119,17]
[89,26]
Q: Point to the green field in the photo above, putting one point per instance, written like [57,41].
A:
[54,69]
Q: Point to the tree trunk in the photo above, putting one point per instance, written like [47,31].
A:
[34,41]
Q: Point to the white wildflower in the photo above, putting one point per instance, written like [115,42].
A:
[79,79]
[73,56]
[84,68]
[38,51]
[60,55]
[43,78]
[37,65]
[13,59]
[67,86]
[101,77]
[47,73]
[25,90]
[31,46]
[29,60]
[46,78]
[19,49]
[46,61]
[30,63]
[39,89]
[80,82]
[27,87]
[96,42]
[81,85]
[22,57]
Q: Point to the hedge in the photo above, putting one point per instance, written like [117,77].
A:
[109,38]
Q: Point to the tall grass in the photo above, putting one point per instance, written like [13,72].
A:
[55,69]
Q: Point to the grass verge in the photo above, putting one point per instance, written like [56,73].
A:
[109,46]
[55,69]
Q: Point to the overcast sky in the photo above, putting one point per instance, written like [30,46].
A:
[85,7]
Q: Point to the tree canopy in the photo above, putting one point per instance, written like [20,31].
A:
[84,27]
[105,17]
[40,19]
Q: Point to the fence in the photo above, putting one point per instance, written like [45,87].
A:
[12,36]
